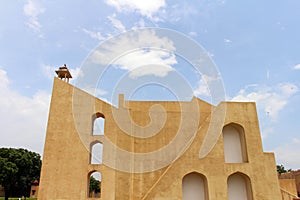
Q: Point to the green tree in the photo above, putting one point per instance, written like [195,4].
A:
[18,169]
[281,169]
[94,185]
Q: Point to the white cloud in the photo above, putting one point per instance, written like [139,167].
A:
[227,40]
[268,74]
[297,67]
[76,72]
[192,33]
[140,24]
[181,11]
[159,63]
[32,9]
[117,23]
[288,154]
[49,71]
[94,34]
[221,2]
[210,54]
[134,48]
[203,85]
[3,79]
[287,89]
[269,99]
[145,8]
[23,119]
[202,88]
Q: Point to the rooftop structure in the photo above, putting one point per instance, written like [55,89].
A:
[64,73]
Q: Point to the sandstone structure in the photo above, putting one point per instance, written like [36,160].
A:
[216,163]
[290,182]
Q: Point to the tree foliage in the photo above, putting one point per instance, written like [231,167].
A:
[18,169]
[281,169]
[94,185]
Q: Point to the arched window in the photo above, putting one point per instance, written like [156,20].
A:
[94,185]
[96,153]
[98,124]
[239,187]
[234,144]
[194,187]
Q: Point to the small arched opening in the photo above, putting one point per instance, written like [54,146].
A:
[235,150]
[194,187]
[239,187]
[96,153]
[94,184]
[98,124]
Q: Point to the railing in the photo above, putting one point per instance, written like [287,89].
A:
[288,196]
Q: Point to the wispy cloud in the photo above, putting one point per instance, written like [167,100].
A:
[181,11]
[203,85]
[94,34]
[146,8]
[3,78]
[159,63]
[76,72]
[269,99]
[49,71]
[221,2]
[20,113]
[227,40]
[193,33]
[156,62]
[32,9]
[297,67]
[287,153]
[117,23]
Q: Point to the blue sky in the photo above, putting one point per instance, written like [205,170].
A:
[254,45]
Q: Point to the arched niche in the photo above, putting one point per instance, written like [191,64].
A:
[235,150]
[98,126]
[239,187]
[96,153]
[94,184]
[194,187]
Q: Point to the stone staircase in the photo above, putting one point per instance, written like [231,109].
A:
[288,196]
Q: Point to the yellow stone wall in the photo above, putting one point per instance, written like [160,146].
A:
[288,185]
[66,167]
[295,175]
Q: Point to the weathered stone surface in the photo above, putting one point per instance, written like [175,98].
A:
[66,168]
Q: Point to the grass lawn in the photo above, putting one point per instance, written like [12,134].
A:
[2,198]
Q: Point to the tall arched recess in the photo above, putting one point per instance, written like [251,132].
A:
[235,150]
[94,185]
[98,124]
[239,187]
[194,187]
[96,152]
